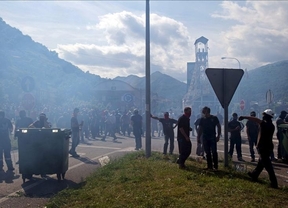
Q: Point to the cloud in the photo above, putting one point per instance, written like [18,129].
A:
[123,52]
[259,35]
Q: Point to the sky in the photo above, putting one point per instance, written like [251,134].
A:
[107,38]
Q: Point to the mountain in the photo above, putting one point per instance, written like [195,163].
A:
[256,83]
[163,85]
[60,83]
[56,81]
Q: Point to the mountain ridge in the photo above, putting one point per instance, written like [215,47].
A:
[60,82]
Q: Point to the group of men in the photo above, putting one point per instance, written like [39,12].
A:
[6,128]
[259,132]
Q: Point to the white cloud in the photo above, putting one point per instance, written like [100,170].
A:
[108,37]
[124,51]
[260,33]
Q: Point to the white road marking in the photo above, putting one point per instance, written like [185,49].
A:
[15,193]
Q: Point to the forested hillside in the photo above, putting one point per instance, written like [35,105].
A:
[257,82]
[58,82]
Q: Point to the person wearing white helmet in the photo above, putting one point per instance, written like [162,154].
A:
[264,146]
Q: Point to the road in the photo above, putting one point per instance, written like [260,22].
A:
[36,193]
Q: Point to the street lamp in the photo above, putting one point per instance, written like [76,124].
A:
[237,93]
[232,58]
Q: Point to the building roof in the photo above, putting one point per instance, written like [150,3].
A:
[202,39]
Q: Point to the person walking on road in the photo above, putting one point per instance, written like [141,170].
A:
[207,128]
[6,128]
[264,146]
[75,128]
[168,130]
[184,142]
[136,123]
[252,130]
[281,153]
[235,127]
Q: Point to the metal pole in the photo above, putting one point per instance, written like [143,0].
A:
[237,94]
[226,135]
[226,105]
[238,63]
[148,98]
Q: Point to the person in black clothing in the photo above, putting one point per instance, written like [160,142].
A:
[252,130]
[184,142]
[6,127]
[264,146]
[280,149]
[207,128]
[75,127]
[41,123]
[235,127]
[193,119]
[23,121]
[136,123]
[168,130]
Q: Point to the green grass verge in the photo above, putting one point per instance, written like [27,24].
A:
[135,181]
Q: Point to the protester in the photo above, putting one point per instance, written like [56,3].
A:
[184,142]
[264,146]
[6,128]
[168,130]
[207,128]
[235,127]
[22,122]
[252,130]
[42,122]
[75,128]
[282,155]
[136,123]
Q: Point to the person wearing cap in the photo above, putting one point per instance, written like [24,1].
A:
[75,128]
[235,127]
[168,130]
[252,130]
[280,150]
[264,146]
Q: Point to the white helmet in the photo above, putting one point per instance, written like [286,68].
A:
[269,112]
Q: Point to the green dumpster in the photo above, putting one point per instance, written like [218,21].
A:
[43,151]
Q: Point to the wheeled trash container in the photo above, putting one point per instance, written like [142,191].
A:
[43,151]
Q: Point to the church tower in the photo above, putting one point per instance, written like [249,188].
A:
[200,92]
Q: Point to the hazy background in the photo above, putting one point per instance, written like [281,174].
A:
[107,38]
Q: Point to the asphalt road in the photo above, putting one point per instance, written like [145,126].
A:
[94,153]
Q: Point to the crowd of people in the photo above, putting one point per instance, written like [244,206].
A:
[90,123]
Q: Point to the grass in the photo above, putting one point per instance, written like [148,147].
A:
[135,181]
